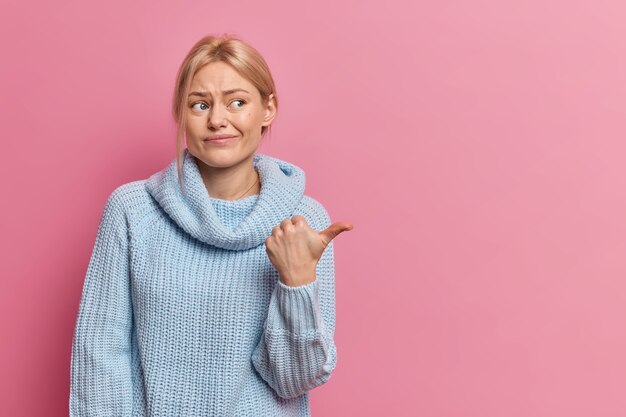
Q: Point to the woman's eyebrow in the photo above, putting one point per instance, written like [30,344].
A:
[225,92]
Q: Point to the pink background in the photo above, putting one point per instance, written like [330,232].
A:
[477,147]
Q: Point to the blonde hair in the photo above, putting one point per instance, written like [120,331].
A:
[233,51]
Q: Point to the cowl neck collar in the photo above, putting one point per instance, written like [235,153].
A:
[282,189]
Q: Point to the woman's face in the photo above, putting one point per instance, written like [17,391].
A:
[222,102]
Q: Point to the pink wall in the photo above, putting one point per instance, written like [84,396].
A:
[477,147]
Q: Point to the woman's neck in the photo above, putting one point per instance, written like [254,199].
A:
[232,183]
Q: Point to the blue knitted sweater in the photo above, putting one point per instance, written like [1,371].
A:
[183,314]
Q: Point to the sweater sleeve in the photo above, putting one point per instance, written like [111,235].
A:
[296,352]
[100,377]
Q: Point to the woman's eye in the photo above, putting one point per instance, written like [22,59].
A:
[240,101]
[201,104]
[204,106]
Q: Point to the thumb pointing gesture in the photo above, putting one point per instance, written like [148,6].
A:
[294,248]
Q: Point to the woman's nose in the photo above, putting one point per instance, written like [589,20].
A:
[217,117]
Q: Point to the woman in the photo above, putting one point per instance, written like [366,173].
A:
[210,289]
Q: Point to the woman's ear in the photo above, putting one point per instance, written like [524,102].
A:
[270,111]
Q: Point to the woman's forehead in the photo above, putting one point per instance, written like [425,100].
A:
[219,75]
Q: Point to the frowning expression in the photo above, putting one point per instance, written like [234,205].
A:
[222,103]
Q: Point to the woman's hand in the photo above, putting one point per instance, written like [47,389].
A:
[294,248]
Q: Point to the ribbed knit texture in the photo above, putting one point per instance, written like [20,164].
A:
[183,314]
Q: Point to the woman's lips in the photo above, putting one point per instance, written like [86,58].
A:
[221,140]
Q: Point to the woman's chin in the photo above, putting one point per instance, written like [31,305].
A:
[220,158]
